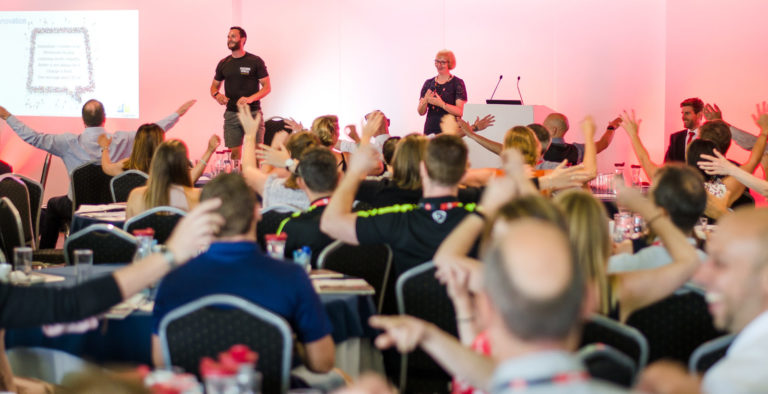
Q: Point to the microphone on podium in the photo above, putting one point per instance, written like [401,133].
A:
[518,91]
[497,86]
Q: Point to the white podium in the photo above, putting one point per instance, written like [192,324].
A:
[507,116]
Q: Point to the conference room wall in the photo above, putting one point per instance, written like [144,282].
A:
[347,57]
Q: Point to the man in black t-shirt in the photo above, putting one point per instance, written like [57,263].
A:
[317,176]
[247,82]
[413,231]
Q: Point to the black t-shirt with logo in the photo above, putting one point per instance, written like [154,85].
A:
[241,78]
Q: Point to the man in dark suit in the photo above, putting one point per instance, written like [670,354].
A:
[691,109]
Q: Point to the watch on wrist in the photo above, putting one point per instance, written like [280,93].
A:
[168,255]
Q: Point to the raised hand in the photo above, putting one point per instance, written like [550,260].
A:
[364,160]
[351,131]
[615,123]
[630,123]
[371,127]
[761,116]
[565,177]
[293,125]
[213,142]
[104,141]
[716,165]
[185,107]
[712,112]
[276,157]
[250,125]
[484,123]
[588,128]
[403,332]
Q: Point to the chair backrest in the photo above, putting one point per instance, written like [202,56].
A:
[121,185]
[90,185]
[421,295]
[108,243]
[36,192]
[370,262]
[676,325]
[161,219]
[212,324]
[11,234]
[46,169]
[709,353]
[628,340]
[16,191]
[606,363]
[270,221]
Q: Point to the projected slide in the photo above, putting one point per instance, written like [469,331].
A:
[54,61]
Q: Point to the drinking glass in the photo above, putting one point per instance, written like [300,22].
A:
[22,259]
[83,264]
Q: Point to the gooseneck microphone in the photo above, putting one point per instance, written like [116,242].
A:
[518,91]
[497,86]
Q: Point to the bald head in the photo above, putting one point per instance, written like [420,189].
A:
[93,113]
[557,124]
[533,281]
[749,226]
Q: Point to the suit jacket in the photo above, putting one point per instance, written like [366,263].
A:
[676,147]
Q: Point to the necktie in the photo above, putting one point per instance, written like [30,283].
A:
[690,137]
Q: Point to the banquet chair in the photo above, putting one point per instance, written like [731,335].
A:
[121,185]
[270,221]
[606,363]
[626,339]
[11,233]
[46,169]
[15,190]
[676,325]
[90,185]
[161,219]
[370,262]
[108,243]
[421,295]
[35,189]
[212,324]
[709,353]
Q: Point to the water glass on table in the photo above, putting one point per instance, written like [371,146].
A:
[83,264]
[276,245]
[22,259]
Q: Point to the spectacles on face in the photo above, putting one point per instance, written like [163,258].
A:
[441,62]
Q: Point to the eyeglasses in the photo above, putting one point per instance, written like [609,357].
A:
[437,61]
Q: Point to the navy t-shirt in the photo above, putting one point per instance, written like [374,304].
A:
[240,269]
[241,77]
[450,91]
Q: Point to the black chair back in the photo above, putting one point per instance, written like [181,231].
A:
[11,234]
[36,191]
[421,295]
[90,185]
[46,169]
[606,363]
[121,185]
[602,330]
[16,191]
[370,262]
[161,219]
[108,243]
[709,353]
[676,325]
[214,323]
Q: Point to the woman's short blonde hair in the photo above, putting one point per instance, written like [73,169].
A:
[326,128]
[524,139]
[451,58]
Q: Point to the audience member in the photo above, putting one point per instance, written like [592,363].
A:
[532,307]
[169,182]
[717,164]
[318,176]
[76,150]
[736,280]
[326,129]
[691,109]
[741,137]
[234,264]
[559,150]
[679,191]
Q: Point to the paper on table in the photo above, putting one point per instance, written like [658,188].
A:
[85,208]
[348,286]
[125,308]
[324,274]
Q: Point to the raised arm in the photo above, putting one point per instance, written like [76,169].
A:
[761,120]
[607,137]
[197,172]
[719,165]
[107,165]
[338,220]
[632,126]
[253,176]
[492,146]
[590,149]
[638,289]
[55,144]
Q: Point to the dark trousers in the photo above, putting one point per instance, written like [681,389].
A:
[59,212]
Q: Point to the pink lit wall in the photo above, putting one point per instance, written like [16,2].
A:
[347,57]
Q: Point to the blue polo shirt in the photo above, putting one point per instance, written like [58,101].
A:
[240,269]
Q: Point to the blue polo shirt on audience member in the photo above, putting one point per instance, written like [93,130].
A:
[240,269]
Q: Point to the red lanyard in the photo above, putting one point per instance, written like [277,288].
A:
[443,206]
[321,202]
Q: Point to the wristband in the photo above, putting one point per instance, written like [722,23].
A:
[610,128]
[216,95]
